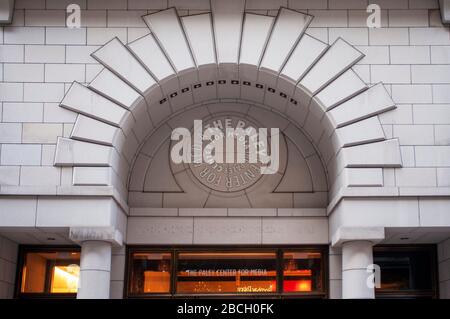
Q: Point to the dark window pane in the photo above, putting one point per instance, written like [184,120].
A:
[302,272]
[405,270]
[150,273]
[50,272]
[223,272]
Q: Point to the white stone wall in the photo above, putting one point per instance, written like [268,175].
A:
[40,58]
[8,266]
[117,272]
[335,273]
[444,269]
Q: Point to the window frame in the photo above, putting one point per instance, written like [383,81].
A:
[278,250]
[432,293]
[23,250]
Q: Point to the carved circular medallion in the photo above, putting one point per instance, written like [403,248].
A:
[225,176]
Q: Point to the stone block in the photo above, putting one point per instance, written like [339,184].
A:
[388,36]
[10,132]
[431,114]
[408,18]
[9,175]
[100,36]
[99,176]
[429,36]
[402,114]
[71,153]
[41,133]
[160,230]
[11,92]
[432,156]
[45,18]
[390,74]
[74,212]
[434,212]
[65,73]
[373,101]
[114,54]
[17,211]
[43,92]
[107,4]
[12,53]
[415,177]
[40,176]
[409,54]
[252,212]
[85,101]
[62,35]
[374,54]
[430,73]
[53,113]
[379,154]
[442,134]
[355,177]
[20,154]
[414,134]
[343,88]
[290,230]
[91,130]
[23,35]
[80,54]
[126,19]
[414,93]
[227,230]
[329,18]
[147,4]
[45,54]
[355,36]
[441,93]
[202,212]
[336,60]
[440,54]
[365,131]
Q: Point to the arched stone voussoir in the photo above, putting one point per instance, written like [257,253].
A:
[82,100]
[94,131]
[165,25]
[337,59]
[71,152]
[371,102]
[113,88]
[150,55]
[228,55]
[117,58]
[286,33]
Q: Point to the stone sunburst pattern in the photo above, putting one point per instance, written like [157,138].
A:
[226,55]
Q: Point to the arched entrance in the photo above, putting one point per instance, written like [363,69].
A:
[228,63]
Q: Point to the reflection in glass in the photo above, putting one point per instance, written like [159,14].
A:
[404,270]
[302,272]
[226,272]
[150,273]
[51,272]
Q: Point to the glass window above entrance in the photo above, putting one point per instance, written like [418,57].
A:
[150,273]
[220,271]
[239,272]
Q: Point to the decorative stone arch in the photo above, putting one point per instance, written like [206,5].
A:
[226,55]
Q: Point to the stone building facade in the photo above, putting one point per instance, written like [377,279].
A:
[86,115]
